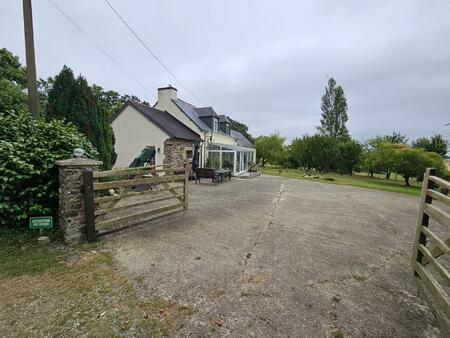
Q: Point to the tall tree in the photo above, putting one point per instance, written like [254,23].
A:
[72,99]
[334,111]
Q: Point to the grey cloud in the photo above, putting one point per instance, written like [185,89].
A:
[264,63]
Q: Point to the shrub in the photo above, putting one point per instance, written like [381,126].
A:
[28,175]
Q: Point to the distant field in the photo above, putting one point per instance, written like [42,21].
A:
[362,180]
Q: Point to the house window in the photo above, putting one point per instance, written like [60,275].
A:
[216,125]
[188,155]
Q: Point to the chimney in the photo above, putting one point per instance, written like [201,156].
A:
[166,94]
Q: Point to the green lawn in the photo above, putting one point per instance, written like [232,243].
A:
[358,180]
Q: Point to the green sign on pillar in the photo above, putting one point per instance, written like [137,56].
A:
[41,222]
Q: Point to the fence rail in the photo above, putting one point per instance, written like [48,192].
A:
[120,198]
[430,259]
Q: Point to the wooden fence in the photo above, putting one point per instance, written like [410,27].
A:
[121,198]
[430,262]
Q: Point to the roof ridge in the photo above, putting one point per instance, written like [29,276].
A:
[161,117]
[186,103]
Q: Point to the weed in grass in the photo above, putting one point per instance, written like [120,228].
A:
[255,279]
[338,334]
[359,278]
[336,299]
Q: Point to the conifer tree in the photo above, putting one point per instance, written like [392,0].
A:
[72,99]
[334,111]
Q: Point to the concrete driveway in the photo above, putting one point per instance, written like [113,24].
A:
[277,257]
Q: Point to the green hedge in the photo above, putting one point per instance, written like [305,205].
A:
[28,175]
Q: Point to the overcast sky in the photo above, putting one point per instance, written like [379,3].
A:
[264,63]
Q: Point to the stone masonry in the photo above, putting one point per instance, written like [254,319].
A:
[174,150]
[71,197]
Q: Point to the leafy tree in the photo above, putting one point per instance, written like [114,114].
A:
[298,153]
[334,111]
[409,162]
[370,161]
[242,128]
[269,149]
[325,153]
[12,97]
[12,83]
[44,87]
[348,155]
[405,160]
[319,152]
[11,69]
[436,144]
[374,144]
[384,157]
[395,138]
[72,99]
[110,100]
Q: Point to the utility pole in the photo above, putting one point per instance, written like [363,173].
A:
[31,62]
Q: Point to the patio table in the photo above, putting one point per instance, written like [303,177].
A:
[222,173]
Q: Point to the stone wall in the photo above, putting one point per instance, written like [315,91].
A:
[174,150]
[71,197]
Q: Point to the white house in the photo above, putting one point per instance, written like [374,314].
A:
[173,129]
[222,146]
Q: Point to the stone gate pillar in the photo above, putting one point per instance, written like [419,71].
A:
[71,197]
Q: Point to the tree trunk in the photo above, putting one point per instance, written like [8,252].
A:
[371,173]
[388,175]
[407,181]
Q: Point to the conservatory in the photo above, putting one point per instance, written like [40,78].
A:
[226,156]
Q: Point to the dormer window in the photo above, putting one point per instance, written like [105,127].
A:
[216,125]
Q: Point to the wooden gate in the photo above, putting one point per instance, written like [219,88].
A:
[121,198]
[431,261]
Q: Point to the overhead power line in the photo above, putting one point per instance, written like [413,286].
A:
[98,46]
[151,52]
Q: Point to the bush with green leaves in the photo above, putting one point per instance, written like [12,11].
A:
[28,174]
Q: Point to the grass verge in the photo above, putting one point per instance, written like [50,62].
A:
[361,180]
[53,290]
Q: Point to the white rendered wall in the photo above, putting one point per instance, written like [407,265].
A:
[134,132]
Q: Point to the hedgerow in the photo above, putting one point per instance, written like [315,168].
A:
[28,174]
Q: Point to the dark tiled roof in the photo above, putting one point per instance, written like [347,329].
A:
[189,110]
[163,120]
[223,119]
[241,139]
[205,111]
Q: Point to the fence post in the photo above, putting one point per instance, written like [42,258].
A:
[186,187]
[88,180]
[71,213]
[422,219]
